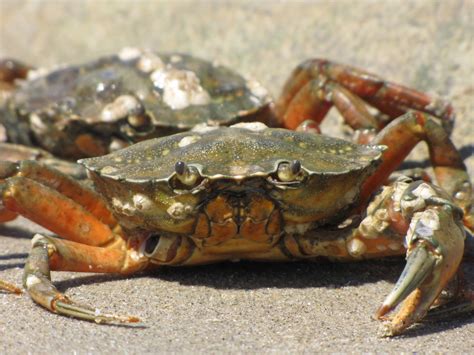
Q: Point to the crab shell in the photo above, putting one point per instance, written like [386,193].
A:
[237,193]
[77,111]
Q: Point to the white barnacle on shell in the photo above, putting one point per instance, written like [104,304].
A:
[422,224]
[129,53]
[150,62]
[398,190]
[176,58]
[181,88]
[424,191]
[188,140]
[142,202]
[251,126]
[37,124]
[356,247]
[121,107]
[37,73]
[203,128]
[179,210]
[430,219]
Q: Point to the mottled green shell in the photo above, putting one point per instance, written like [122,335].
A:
[81,92]
[139,182]
[234,152]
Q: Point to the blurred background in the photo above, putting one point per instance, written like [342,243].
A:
[426,44]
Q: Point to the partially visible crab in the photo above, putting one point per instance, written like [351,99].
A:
[94,108]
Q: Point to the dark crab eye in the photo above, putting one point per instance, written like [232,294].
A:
[187,175]
[289,171]
[140,122]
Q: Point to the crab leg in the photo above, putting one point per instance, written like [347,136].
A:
[11,69]
[324,83]
[16,152]
[401,136]
[95,242]
[49,181]
[27,197]
[54,254]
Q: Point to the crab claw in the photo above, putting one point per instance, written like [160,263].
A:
[435,242]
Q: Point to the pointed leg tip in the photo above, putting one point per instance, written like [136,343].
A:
[10,288]
[382,311]
[134,320]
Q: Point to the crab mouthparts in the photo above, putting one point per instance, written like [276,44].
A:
[238,214]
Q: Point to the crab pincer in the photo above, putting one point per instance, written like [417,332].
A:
[435,243]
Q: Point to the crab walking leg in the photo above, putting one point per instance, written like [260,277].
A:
[54,180]
[54,254]
[16,152]
[5,286]
[401,136]
[11,69]
[51,209]
[315,99]
[390,98]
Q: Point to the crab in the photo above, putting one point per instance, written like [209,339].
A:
[94,108]
[257,193]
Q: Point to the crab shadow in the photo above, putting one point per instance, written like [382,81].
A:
[427,328]
[252,275]
[14,231]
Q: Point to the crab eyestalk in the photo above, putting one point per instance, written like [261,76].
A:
[289,171]
[187,175]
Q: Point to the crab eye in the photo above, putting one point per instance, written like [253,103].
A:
[289,171]
[140,122]
[187,175]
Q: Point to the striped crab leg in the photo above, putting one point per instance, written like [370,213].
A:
[93,242]
[316,85]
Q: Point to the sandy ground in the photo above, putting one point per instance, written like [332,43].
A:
[245,307]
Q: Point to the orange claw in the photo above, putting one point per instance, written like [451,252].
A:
[435,241]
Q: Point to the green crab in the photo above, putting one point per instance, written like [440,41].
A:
[92,109]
